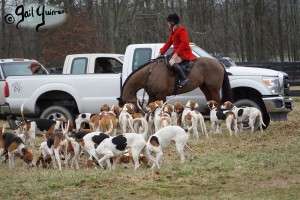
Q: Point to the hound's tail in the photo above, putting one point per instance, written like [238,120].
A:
[22,110]
[65,127]
[261,120]
[193,120]
[2,131]
[146,152]
[144,124]
[130,122]
[140,107]
[202,124]
[69,138]
[111,128]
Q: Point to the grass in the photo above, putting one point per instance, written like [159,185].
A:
[249,166]
[295,88]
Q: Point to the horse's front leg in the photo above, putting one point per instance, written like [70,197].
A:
[151,99]
[158,97]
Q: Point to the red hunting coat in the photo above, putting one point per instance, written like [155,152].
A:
[180,40]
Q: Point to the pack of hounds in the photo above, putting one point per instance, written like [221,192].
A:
[118,136]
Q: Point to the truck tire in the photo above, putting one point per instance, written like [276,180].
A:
[12,123]
[54,112]
[250,103]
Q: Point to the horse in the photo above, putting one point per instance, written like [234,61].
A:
[159,81]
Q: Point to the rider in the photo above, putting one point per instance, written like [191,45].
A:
[181,51]
[36,68]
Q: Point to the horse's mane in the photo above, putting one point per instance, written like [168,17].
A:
[134,72]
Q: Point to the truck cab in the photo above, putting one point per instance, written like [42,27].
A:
[94,63]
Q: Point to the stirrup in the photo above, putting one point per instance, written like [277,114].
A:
[184,82]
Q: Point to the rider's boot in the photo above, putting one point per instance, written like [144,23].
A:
[183,80]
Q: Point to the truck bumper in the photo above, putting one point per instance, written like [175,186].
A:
[278,107]
[5,109]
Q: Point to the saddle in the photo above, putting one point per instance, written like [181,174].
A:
[186,65]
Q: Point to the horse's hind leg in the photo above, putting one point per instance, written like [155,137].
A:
[211,93]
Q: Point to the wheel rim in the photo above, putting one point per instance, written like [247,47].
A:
[54,115]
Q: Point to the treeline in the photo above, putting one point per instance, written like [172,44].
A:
[246,30]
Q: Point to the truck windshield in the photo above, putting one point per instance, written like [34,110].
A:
[197,51]
[200,52]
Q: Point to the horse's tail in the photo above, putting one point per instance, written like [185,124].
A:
[226,88]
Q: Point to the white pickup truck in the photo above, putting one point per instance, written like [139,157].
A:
[81,89]
[13,67]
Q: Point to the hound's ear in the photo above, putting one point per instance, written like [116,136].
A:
[18,122]
[24,150]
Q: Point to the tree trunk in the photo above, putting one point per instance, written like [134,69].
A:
[280,31]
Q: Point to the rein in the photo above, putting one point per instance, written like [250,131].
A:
[149,72]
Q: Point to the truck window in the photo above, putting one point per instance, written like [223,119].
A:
[140,57]
[16,69]
[107,65]
[79,66]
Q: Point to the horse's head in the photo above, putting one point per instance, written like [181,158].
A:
[121,102]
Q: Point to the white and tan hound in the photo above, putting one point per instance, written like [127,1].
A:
[246,114]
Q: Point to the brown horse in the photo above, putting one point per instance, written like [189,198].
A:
[159,81]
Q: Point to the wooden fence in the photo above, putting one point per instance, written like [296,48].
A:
[291,68]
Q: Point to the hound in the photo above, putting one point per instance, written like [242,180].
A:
[154,111]
[135,115]
[188,111]
[117,110]
[83,118]
[108,119]
[125,159]
[55,143]
[178,109]
[247,114]
[125,119]
[28,127]
[12,144]
[27,131]
[162,139]
[44,157]
[165,116]
[218,116]
[116,146]
[87,142]
[105,108]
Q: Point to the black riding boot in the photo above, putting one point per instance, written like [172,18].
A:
[183,80]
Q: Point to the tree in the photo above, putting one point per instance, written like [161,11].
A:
[73,36]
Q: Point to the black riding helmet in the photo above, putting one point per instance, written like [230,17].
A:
[173,18]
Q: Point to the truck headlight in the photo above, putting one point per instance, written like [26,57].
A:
[272,83]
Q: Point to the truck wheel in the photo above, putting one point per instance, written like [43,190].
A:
[12,123]
[54,112]
[250,103]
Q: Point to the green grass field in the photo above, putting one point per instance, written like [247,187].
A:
[249,166]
